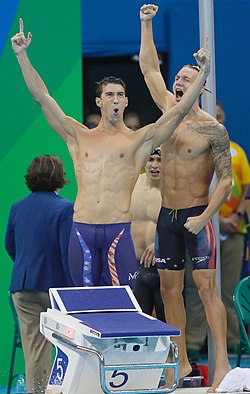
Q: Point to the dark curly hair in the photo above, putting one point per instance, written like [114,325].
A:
[105,81]
[45,173]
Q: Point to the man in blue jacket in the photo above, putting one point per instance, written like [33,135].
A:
[37,238]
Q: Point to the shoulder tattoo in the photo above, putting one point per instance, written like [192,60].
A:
[218,139]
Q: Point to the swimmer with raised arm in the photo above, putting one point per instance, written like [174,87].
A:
[198,147]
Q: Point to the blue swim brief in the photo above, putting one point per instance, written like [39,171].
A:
[102,255]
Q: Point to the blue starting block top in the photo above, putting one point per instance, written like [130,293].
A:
[108,311]
[125,324]
[70,300]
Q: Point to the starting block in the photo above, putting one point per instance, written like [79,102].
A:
[105,343]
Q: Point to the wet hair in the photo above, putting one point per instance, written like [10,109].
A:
[45,173]
[156,151]
[105,81]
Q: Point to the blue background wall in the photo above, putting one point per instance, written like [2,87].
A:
[111,27]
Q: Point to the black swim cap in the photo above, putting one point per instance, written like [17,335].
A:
[156,151]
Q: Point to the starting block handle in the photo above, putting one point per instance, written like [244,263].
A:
[104,368]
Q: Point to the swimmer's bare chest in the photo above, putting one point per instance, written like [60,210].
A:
[103,154]
[187,143]
[187,168]
[106,173]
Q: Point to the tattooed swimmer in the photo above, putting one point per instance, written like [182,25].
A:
[198,147]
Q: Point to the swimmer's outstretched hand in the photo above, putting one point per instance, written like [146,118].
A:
[203,57]
[19,42]
[148,11]
[195,224]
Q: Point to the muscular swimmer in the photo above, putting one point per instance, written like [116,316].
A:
[198,147]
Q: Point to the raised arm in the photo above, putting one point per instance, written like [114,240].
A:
[54,115]
[149,61]
[167,123]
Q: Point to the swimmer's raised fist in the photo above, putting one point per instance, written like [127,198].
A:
[148,11]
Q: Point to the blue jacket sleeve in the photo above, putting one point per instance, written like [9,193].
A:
[10,238]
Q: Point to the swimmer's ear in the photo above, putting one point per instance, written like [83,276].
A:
[98,102]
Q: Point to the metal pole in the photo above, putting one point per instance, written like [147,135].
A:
[206,23]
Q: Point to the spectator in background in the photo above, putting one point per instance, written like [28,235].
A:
[145,208]
[37,238]
[248,204]
[92,120]
[247,268]
[233,231]
[132,120]
[232,241]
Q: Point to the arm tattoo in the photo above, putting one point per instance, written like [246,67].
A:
[219,141]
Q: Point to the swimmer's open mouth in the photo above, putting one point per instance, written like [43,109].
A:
[116,110]
[178,94]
